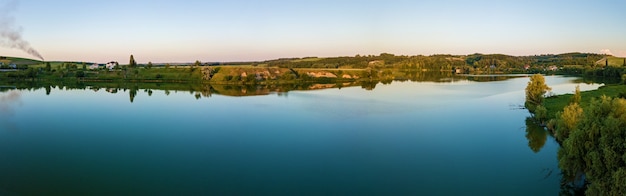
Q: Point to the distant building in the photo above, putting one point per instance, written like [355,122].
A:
[552,68]
[526,67]
[13,66]
[94,66]
[111,65]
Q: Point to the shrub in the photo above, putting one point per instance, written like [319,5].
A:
[80,74]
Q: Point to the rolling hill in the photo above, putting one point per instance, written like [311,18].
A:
[19,61]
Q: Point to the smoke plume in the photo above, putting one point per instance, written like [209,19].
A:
[10,34]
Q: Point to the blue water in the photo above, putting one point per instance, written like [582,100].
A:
[406,138]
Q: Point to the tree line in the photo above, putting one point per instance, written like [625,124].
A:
[442,61]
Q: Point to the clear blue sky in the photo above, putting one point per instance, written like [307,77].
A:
[239,30]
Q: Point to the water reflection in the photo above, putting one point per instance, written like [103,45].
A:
[536,135]
[133,93]
[397,132]
[48,89]
[8,99]
[206,90]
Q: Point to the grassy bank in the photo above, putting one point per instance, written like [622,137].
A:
[557,103]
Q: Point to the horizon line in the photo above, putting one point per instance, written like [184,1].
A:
[321,57]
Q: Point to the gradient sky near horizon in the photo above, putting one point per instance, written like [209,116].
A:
[246,30]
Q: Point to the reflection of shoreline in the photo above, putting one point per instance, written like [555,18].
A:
[199,90]
[7,100]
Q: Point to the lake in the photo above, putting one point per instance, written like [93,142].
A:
[454,137]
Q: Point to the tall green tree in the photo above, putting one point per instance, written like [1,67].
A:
[149,66]
[567,121]
[596,148]
[48,66]
[535,91]
[576,98]
[132,62]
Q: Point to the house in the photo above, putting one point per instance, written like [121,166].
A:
[94,66]
[526,67]
[13,66]
[111,65]
[552,68]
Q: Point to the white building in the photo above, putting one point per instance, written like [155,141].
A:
[94,66]
[111,65]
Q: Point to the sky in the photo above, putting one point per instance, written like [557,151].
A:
[246,30]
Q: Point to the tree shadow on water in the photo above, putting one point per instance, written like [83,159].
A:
[536,135]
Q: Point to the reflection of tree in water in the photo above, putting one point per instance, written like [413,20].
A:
[132,92]
[200,90]
[48,90]
[536,135]
[7,100]
[369,85]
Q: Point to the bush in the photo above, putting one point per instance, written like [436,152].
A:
[287,76]
[541,114]
[596,148]
[80,74]
[622,95]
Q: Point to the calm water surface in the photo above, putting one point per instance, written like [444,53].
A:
[406,138]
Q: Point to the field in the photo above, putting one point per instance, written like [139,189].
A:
[613,61]
[557,103]
[19,61]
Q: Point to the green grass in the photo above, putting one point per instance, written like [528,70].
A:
[19,61]
[306,60]
[557,103]
[53,65]
[616,61]
[613,61]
